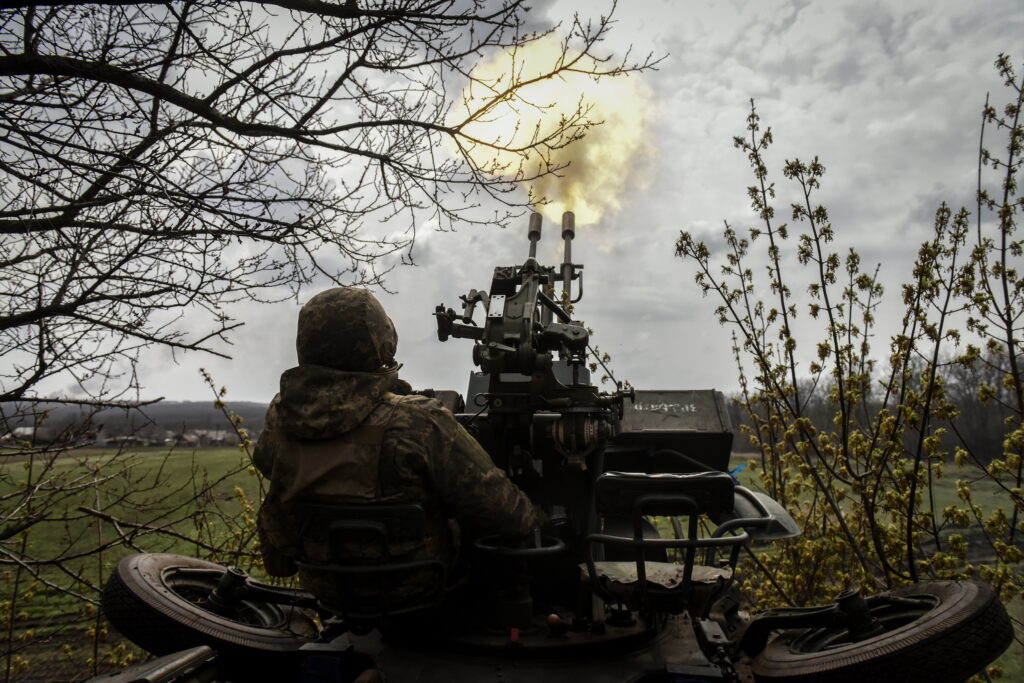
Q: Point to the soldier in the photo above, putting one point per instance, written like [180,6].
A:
[341,430]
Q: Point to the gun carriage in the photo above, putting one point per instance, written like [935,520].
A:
[630,579]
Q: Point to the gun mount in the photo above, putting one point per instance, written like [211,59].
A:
[534,383]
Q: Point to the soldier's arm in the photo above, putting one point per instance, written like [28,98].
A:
[275,560]
[266,445]
[471,485]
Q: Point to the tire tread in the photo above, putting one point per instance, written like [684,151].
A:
[142,613]
[954,649]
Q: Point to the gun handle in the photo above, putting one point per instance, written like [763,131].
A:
[444,322]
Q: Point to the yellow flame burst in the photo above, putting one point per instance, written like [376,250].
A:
[598,167]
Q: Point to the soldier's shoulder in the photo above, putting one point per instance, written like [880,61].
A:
[419,403]
[273,415]
[417,408]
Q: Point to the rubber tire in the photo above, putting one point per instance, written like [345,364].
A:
[140,605]
[966,630]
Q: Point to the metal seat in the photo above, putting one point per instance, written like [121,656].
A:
[662,586]
[360,542]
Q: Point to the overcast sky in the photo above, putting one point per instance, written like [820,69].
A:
[888,95]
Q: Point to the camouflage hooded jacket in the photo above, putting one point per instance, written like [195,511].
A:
[346,437]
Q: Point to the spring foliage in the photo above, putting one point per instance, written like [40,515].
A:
[863,479]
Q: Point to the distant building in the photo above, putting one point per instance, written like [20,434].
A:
[216,437]
[123,440]
[200,438]
[24,433]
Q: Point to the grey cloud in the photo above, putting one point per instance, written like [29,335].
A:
[888,95]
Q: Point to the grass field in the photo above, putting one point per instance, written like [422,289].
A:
[165,491]
[146,498]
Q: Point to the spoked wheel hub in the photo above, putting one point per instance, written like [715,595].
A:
[884,614]
[222,593]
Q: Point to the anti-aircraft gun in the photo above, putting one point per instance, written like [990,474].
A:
[599,464]
[533,398]
[533,405]
[603,594]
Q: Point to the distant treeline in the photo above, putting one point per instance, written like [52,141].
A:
[152,422]
[980,426]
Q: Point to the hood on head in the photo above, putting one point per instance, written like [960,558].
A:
[346,328]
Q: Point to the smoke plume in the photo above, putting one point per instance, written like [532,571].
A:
[610,112]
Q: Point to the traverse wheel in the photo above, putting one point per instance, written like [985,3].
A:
[936,632]
[165,603]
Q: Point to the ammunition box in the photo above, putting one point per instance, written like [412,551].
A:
[694,423]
